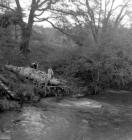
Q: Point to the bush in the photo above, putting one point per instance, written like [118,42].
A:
[95,73]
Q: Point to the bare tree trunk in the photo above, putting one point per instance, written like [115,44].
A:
[26,29]
[24,45]
[26,35]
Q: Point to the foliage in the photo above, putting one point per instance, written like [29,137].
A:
[95,72]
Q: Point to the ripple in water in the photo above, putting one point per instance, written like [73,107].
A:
[39,125]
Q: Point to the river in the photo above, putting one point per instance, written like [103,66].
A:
[102,117]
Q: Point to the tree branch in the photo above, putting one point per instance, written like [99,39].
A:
[18,5]
[19,10]
[59,29]
[66,12]
[37,15]
[100,11]
[6,7]
[41,19]
[44,2]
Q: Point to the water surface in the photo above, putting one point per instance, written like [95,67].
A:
[104,118]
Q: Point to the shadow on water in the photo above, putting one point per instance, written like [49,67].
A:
[114,97]
[103,117]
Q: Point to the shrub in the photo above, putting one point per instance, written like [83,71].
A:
[94,73]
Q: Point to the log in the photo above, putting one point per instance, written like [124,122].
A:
[37,75]
[8,91]
[3,79]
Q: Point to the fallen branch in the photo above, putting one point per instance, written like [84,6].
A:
[3,79]
[44,82]
[9,93]
[33,74]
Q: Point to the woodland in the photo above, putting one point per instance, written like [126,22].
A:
[88,45]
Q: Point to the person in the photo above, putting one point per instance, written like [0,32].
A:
[34,65]
[50,73]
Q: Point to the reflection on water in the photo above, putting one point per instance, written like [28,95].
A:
[77,119]
[32,122]
[82,104]
[39,125]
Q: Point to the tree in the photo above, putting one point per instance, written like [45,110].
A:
[37,9]
[95,16]
[73,18]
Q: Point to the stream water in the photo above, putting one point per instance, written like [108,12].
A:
[104,117]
